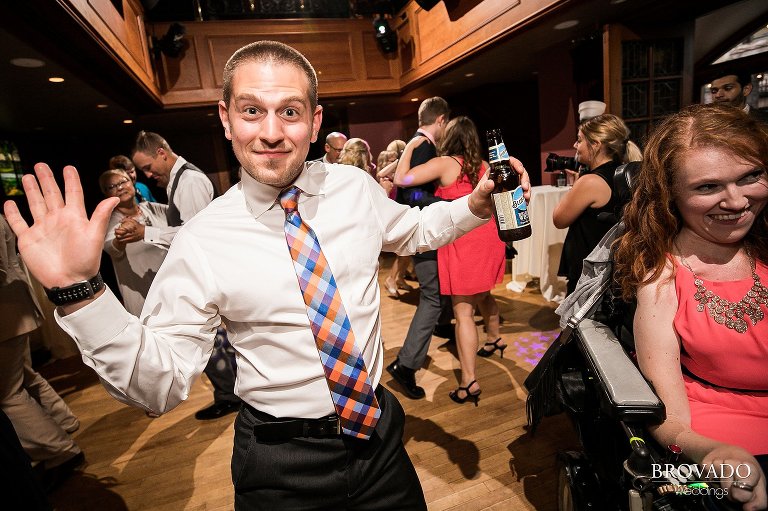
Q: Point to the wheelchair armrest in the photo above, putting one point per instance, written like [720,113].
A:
[625,393]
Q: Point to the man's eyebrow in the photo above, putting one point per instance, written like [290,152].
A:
[247,96]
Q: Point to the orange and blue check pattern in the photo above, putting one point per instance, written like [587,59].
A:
[343,363]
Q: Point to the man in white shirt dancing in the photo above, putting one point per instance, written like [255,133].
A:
[296,443]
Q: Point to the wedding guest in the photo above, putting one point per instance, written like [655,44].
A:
[135,258]
[695,255]
[471,266]
[602,145]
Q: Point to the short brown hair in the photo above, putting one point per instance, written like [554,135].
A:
[148,142]
[432,108]
[121,161]
[269,51]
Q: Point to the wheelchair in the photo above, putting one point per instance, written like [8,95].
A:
[590,374]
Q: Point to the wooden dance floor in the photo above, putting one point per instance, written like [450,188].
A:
[467,458]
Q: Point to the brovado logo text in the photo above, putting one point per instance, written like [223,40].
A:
[691,471]
[700,489]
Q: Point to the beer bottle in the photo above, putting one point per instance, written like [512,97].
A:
[511,215]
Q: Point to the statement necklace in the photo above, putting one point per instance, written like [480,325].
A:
[724,312]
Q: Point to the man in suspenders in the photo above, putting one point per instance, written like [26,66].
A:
[189,191]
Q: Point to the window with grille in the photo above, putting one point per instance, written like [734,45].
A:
[651,83]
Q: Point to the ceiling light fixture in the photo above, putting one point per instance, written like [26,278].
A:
[566,24]
[414,99]
[55,79]
[25,62]
[102,105]
[469,75]
[172,44]
[385,36]
[127,121]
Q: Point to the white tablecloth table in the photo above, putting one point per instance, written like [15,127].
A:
[539,254]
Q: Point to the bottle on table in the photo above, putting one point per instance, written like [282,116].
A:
[512,222]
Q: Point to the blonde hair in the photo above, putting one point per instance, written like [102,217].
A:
[356,152]
[613,134]
[398,146]
[385,157]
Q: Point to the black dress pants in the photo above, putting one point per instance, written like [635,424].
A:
[221,369]
[330,473]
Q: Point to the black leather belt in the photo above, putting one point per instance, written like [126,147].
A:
[295,428]
[273,429]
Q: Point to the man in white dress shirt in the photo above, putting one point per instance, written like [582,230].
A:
[189,191]
[231,264]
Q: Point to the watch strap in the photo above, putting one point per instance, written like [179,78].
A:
[76,292]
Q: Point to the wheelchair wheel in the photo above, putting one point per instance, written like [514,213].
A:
[577,485]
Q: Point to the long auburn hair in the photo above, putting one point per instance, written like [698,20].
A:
[461,139]
[651,219]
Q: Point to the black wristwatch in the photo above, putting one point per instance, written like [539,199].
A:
[77,292]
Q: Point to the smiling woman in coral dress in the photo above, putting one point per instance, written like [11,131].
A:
[694,254]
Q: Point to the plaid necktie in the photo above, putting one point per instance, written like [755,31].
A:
[343,364]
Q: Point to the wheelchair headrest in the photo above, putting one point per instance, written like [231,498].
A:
[624,179]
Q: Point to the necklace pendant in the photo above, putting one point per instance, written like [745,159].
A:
[727,313]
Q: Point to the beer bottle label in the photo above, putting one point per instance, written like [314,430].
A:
[497,153]
[511,209]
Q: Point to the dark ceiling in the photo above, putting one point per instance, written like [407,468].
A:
[30,104]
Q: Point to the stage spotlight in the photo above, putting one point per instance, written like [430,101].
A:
[385,36]
[172,43]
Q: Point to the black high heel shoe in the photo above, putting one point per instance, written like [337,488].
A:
[454,394]
[482,352]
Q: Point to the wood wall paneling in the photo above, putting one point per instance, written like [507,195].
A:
[183,74]
[376,67]
[446,34]
[439,30]
[122,37]
[343,52]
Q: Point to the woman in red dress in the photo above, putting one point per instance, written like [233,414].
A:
[472,265]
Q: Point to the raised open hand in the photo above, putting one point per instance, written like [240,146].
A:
[62,246]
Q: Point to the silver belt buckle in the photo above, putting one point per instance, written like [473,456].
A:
[338,425]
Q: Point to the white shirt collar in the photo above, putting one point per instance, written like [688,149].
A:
[427,134]
[260,198]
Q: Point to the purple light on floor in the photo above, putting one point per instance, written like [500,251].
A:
[532,347]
